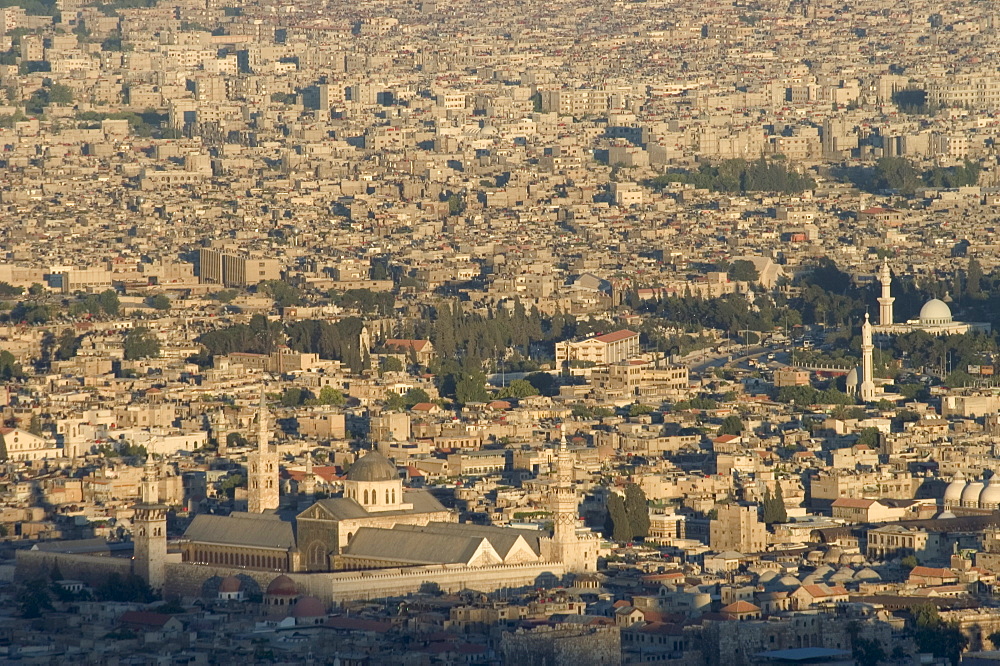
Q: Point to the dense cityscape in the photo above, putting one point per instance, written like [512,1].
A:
[426,333]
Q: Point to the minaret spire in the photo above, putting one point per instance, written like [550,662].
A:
[262,467]
[886,300]
[867,388]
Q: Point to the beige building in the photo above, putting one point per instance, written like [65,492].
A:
[600,350]
[235,270]
[737,528]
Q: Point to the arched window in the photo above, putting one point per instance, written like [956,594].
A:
[366,497]
[386,495]
[393,495]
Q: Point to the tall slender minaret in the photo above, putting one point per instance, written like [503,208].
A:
[149,534]
[563,501]
[867,389]
[886,300]
[262,468]
[308,487]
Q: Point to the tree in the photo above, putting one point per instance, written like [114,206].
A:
[331,396]
[618,526]
[109,302]
[542,381]
[141,343]
[231,483]
[731,425]
[934,635]
[35,425]
[4,455]
[471,387]
[67,344]
[159,302]
[743,270]
[637,510]
[867,652]
[235,439]
[774,506]
[974,279]
[390,364]
[60,94]
[519,388]
[909,562]
[869,437]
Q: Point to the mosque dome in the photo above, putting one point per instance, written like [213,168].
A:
[373,467]
[853,378]
[945,515]
[970,496]
[282,586]
[867,574]
[990,497]
[307,607]
[953,493]
[230,584]
[935,312]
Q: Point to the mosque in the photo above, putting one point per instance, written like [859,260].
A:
[935,316]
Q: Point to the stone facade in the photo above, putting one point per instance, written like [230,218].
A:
[566,645]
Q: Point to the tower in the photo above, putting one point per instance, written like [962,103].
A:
[149,534]
[262,468]
[867,389]
[308,487]
[220,430]
[886,300]
[566,547]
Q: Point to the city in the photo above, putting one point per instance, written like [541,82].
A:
[420,333]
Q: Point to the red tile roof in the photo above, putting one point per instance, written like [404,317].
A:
[623,334]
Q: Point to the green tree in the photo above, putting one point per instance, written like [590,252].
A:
[471,387]
[618,526]
[35,425]
[390,364]
[331,396]
[731,425]
[974,279]
[235,439]
[869,437]
[743,270]
[932,634]
[159,302]
[637,510]
[109,302]
[141,343]
[231,483]
[4,455]
[909,562]
[519,388]
[867,652]
[67,344]
[774,506]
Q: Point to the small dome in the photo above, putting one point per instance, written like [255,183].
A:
[308,607]
[788,583]
[824,571]
[767,576]
[970,496]
[853,378]
[230,584]
[953,493]
[935,311]
[867,574]
[945,515]
[990,497]
[373,467]
[282,586]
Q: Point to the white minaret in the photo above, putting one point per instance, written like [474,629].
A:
[886,300]
[262,468]
[149,534]
[867,367]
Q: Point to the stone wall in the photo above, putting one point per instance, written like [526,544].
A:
[566,645]
[193,580]
[91,569]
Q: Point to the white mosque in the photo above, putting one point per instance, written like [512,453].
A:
[935,317]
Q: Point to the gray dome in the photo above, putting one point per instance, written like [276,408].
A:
[970,496]
[373,467]
[867,574]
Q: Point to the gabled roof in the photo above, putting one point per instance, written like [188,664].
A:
[416,548]
[503,539]
[242,529]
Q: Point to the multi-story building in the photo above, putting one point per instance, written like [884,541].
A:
[600,350]
[738,528]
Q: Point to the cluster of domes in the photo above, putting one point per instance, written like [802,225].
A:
[972,494]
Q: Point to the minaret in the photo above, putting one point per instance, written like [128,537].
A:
[262,468]
[867,369]
[309,482]
[149,533]
[563,502]
[886,300]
